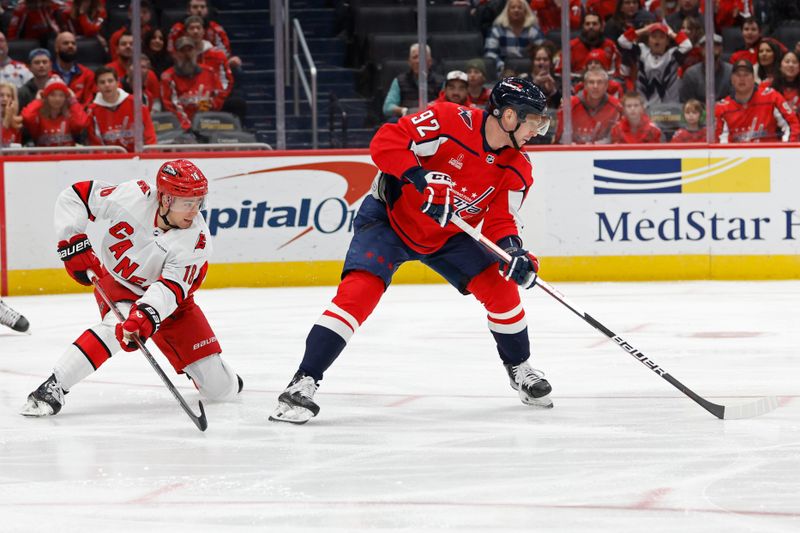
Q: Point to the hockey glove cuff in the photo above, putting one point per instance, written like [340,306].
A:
[523,266]
[143,321]
[79,257]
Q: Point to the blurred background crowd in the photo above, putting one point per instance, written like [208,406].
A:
[637,68]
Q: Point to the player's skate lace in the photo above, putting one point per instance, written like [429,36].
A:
[533,388]
[12,319]
[47,399]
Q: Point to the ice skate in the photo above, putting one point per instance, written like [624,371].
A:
[296,404]
[47,400]
[12,319]
[529,382]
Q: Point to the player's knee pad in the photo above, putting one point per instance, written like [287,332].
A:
[215,379]
[359,293]
[495,293]
[501,300]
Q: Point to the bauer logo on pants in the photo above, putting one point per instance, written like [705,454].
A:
[682,176]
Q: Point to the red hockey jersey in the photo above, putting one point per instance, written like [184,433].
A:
[112,124]
[186,96]
[215,34]
[489,185]
[218,61]
[60,131]
[685,136]
[591,126]
[757,120]
[624,133]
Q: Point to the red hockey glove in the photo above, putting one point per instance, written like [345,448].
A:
[79,257]
[523,266]
[143,321]
[437,190]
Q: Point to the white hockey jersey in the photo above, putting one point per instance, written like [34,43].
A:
[164,267]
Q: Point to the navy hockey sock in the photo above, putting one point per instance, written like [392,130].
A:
[323,346]
[513,348]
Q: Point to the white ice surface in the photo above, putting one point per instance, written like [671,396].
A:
[419,429]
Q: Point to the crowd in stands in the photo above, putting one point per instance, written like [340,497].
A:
[637,68]
[53,99]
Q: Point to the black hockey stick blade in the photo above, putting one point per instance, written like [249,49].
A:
[747,410]
[200,421]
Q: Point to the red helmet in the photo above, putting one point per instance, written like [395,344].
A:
[181,178]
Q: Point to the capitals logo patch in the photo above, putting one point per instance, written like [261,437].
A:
[490,158]
[466,116]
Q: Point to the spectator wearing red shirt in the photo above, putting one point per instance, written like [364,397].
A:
[111,114]
[34,19]
[597,58]
[207,54]
[751,33]
[787,82]
[151,85]
[549,14]
[187,87]
[85,18]
[56,118]
[79,78]
[476,82]
[10,120]
[594,112]
[634,127]
[146,15]
[214,33]
[590,38]
[693,28]
[604,8]
[124,63]
[753,113]
[694,132]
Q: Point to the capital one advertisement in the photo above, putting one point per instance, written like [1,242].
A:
[585,204]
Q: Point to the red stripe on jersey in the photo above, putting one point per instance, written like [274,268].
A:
[340,319]
[199,279]
[174,288]
[93,348]
[516,318]
[83,189]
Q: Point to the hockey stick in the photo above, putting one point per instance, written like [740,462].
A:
[199,421]
[724,412]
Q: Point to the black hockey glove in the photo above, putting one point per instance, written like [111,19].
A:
[523,266]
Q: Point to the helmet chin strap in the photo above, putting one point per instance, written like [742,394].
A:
[164,218]
[510,133]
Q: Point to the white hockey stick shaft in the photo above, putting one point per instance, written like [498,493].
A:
[748,410]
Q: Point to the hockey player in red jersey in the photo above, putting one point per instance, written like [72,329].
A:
[448,160]
[153,256]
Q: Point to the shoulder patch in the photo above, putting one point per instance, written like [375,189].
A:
[106,191]
[201,241]
[144,186]
[466,116]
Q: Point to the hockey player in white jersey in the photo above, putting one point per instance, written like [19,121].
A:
[152,257]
